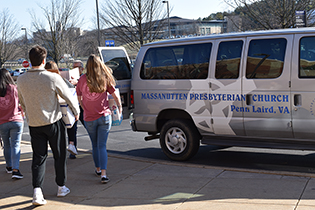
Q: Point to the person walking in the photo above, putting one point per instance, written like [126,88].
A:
[11,123]
[76,64]
[92,90]
[71,132]
[38,92]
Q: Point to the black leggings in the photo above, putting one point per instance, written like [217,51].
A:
[72,133]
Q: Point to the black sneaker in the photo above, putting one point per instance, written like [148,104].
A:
[71,156]
[9,170]
[104,180]
[17,175]
[98,173]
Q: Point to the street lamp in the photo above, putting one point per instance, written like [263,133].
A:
[24,29]
[168,18]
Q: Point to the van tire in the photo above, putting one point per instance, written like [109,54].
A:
[183,146]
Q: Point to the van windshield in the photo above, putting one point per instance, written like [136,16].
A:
[118,62]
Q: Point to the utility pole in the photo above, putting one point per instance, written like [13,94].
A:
[26,48]
[168,18]
[98,24]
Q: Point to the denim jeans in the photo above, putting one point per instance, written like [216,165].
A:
[98,131]
[11,133]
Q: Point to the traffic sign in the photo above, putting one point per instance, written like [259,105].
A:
[25,64]
[109,43]
[300,18]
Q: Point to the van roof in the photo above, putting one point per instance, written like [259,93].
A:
[310,30]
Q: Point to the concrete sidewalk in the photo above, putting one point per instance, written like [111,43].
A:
[144,184]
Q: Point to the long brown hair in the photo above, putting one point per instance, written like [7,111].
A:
[98,75]
[5,80]
[52,67]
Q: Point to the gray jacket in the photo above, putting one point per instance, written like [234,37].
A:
[38,90]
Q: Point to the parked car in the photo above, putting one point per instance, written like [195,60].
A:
[10,70]
[18,72]
[66,58]
[21,60]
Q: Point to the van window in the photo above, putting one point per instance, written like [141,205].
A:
[177,62]
[265,58]
[228,60]
[307,57]
[117,61]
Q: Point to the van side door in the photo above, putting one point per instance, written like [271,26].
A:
[266,91]
[303,86]
[225,87]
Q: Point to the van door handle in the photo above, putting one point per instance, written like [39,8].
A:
[249,99]
[297,100]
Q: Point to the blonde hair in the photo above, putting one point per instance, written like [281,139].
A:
[52,67]
[98,75]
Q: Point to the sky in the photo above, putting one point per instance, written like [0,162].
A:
[190,9]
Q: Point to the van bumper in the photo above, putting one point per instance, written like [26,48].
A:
[133,125]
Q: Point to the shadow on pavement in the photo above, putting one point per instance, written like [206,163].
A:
[216,156]
[141,184]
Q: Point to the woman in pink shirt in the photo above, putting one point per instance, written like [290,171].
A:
[11,123]
[92,90]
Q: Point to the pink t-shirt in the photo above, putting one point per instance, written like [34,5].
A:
[9,106]
[94,105]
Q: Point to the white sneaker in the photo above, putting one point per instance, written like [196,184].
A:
[63,191]
[38,198]
[39,201]
[72,149]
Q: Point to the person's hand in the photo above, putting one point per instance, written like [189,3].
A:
[73,81]
[120,109]
[76,117]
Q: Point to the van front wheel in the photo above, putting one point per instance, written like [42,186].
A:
[179,139]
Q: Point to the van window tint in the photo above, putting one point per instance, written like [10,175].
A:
[118,62]
[177,62]
[307,57]
[265,58]
[228,60]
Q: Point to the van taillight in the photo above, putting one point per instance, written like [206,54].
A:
[131,98]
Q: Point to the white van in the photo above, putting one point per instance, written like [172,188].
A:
[118,60]
[253,89]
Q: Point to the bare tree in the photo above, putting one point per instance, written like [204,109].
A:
[271,14]
[8,30]
[63,18]
[133,21]
[88,44]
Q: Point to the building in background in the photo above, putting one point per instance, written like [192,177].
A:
[181,27]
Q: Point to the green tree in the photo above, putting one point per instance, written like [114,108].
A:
[271,14]
[216,16]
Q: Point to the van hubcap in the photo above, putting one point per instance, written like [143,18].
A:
[176,140]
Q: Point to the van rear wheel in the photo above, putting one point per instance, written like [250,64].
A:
[179,139]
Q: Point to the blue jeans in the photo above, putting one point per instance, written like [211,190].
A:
[98,131]
[11,133]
